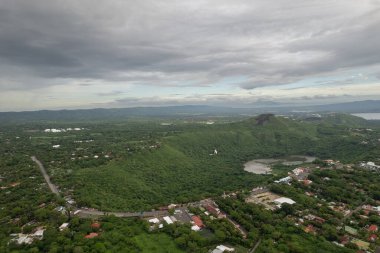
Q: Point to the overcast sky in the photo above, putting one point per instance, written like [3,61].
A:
[85,54]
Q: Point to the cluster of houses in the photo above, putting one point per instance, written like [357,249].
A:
[370,166]
[181,215]
[299,174]
[352,234]
[270,200]
[14,184]
[369,208]
[95,226]
[309,222]
[21,238]
[62,130]
[339,208]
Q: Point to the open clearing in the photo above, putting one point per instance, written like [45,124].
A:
[263,166]
[160,243]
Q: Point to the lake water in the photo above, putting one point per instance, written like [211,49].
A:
[263,166]
[368,116]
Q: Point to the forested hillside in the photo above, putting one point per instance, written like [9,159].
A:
[184,168]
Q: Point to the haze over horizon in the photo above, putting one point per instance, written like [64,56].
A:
[56,55]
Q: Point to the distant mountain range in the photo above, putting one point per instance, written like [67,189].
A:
[367,106]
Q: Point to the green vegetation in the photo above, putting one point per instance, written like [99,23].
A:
[159,243]
[143,164]
[140,165]
[181,168]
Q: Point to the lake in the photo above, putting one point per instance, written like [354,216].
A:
[368,116]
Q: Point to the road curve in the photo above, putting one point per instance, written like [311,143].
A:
[52,187]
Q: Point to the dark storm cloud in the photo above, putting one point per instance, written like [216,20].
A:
[171,43]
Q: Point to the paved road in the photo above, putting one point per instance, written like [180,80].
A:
[354,211]
[256,246]
[237,226]
[85,213]
[52,187]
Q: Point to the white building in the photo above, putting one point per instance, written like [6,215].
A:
[154,221]
[283,180]
[222,248]
[195,228]
[168,220]
[63,226]
[283,200]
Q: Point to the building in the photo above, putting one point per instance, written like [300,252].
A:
[91,235]
[361,244]
[172,206]
[197,221]
[284,180]
[95,225]
[283,200]
[372,238]
[195,228]
[310,229]
[307,182]
[350,230]
[154,221]
[28,238]
[22,239]
[222,248]
[373,228]
[168,220]
[63,226]
[211,209]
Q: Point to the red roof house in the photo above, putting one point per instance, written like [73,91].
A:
[91,235]
[307,182]
[319,220]
[211,209]
[344,239]
[373,228]
[197,221]
[310,229]
[372,238]
[95,225]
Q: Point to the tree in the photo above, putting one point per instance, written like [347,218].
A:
[288,209]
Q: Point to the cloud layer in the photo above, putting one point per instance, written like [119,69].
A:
[118,47]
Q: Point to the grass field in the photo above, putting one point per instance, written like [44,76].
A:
[158,243]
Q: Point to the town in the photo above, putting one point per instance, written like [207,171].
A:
[346,224]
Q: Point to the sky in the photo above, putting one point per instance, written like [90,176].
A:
[118,53]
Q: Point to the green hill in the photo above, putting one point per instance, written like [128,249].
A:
[183,169]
